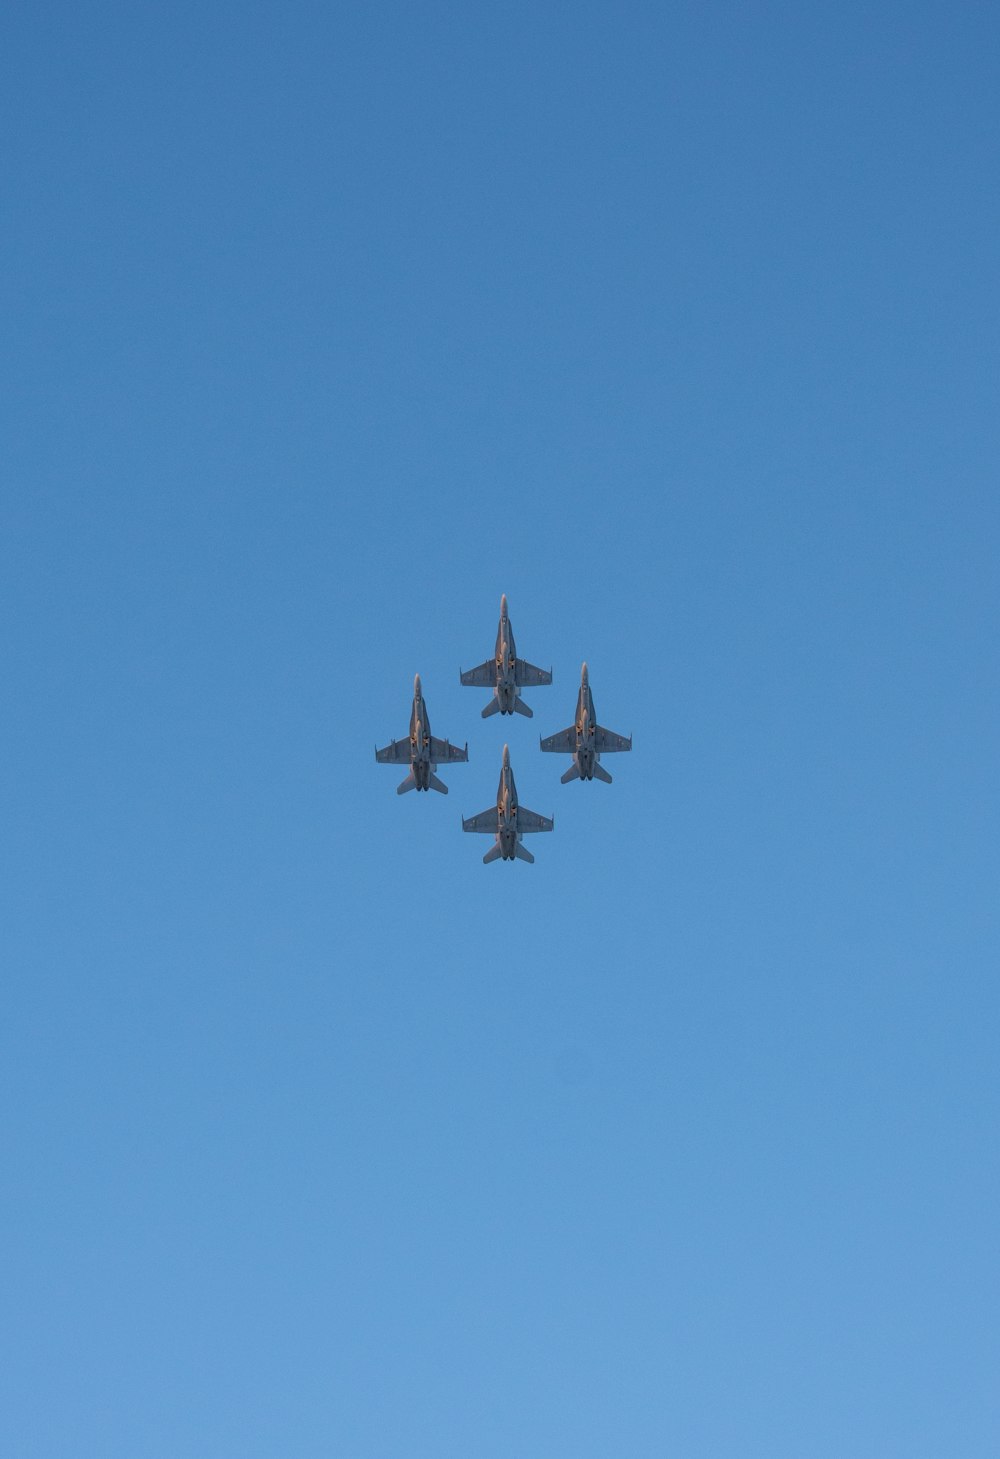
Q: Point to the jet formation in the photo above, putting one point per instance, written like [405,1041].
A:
[507,820]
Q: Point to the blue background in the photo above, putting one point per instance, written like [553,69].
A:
[323,326]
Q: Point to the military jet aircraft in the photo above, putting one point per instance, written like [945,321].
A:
[507,820]
[505,673]
[585,739]
[422,752]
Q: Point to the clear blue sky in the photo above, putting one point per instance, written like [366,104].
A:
[322,327]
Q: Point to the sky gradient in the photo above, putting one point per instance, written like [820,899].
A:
[324,326]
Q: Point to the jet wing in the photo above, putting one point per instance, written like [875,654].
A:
[485,677]
[485,821]
[564,743]
[398,753]
[526,674]
[444,753]
[606,741]
[532,821]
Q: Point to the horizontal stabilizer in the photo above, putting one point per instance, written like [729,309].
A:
[523,854]
[437,784]
[492,854]
[521,708]
[601,774]
[408,784]
[492,708]
[573,773]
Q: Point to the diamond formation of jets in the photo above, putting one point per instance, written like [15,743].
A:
[585,739]
[508,820]
[421,751]
[505,673]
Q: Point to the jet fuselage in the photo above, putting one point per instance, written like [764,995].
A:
[507,835]
[420,740]
[506,656]
[586,730]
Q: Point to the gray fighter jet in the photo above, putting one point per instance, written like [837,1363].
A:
[507,820]
[422,752]
[505,673]
[585,739]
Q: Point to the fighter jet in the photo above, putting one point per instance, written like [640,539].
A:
[585,739]
[422,752]
[505,673]
[507,820]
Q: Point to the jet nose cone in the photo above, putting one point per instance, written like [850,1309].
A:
[503,605]
[506,757]
[583,674]
[416,685]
